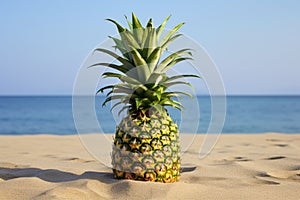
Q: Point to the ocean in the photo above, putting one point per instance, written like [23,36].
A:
[53,115]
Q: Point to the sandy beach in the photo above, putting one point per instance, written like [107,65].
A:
[241,166]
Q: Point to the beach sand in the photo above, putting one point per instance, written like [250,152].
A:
[241,166]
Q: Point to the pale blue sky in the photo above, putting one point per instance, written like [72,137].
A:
[255,44]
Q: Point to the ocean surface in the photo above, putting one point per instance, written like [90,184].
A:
[53,115]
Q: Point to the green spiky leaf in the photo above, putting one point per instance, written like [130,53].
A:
[144,82]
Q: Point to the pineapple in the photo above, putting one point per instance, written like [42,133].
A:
[146,144]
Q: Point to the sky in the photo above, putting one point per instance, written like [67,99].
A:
[255,44]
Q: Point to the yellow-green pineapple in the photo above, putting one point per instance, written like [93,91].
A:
[146,144]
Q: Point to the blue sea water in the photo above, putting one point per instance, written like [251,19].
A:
[53,114]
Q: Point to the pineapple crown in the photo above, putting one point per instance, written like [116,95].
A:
[144,82]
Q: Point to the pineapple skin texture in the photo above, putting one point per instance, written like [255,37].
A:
[147,149]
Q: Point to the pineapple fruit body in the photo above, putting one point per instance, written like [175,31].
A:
[147,149]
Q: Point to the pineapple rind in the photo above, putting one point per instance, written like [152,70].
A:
[151,154]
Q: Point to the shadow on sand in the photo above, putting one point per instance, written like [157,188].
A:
[57,176]
[54,175]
